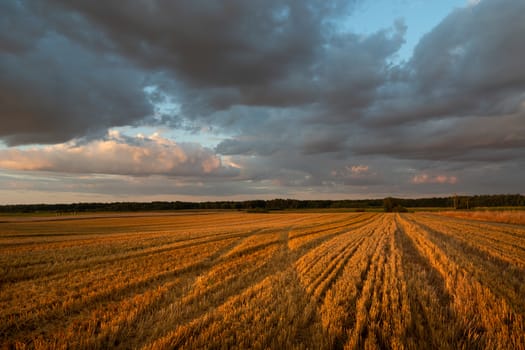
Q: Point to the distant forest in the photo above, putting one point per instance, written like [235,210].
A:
[457,202]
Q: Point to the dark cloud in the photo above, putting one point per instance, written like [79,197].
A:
[245,146]
[324,141]
[215,43]
[460,98]
[355,67]
[79,67]
[460,138]
[475,50]
[470,64]
[52,89]
[271,54]
[288,96]
[258,53]
[19,29]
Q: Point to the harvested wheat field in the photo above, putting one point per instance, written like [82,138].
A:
[246,280]
[505,216]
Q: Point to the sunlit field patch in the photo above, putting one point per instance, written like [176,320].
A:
[252,280]
[504,216]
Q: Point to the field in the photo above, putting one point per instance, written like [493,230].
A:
[505,216]
[255,280]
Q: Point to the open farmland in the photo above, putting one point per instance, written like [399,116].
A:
[245,280]
[505,216]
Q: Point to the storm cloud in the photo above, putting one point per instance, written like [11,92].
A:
[53,89]
[285,97]
[470,64]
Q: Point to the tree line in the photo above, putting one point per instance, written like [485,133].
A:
[389,204]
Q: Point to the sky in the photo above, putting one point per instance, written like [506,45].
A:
[104,101]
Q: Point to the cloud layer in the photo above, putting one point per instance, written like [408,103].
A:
[294,103]
[115,155]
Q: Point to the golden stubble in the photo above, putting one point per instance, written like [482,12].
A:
[255,280]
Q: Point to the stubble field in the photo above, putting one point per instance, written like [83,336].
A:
[245,280]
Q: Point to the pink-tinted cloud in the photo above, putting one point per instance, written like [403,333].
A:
[137,156]
[355,175]
[352,171]
[359,169]
[434,179]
